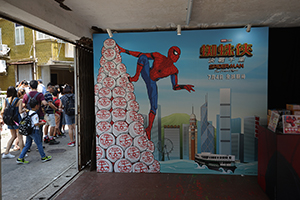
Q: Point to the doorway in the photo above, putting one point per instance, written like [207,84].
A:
[62,76]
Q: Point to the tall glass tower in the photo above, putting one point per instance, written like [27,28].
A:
[156,133]
[225,122]
[249,139]
[185,142]
[207,131]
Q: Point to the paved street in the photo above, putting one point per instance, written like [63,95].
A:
[22,181]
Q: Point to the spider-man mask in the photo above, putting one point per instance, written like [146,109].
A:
[174,53]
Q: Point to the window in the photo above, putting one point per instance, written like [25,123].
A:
[42,36]
[69,50]
[25,72]
[19,34]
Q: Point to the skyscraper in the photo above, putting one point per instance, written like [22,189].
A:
[172,142]
[156,133]
[192,135]
[249,139]
[236,125]
[235,145]
[185,142]
[225,122]
[236,137]
[206,130]
[199,138]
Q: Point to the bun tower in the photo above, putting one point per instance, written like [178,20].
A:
[121,141]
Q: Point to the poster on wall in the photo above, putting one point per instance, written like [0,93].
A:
[184,103]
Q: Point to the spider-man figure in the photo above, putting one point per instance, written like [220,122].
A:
[290,120]
[162,67]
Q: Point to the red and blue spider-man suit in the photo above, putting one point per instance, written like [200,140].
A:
[290,120]
[162,67]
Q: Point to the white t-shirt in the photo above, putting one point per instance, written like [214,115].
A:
[34,119]
[41,88]
[27,90]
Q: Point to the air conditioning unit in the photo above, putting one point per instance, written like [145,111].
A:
[2,66]
[4,49]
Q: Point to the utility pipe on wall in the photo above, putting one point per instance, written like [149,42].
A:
[34,55]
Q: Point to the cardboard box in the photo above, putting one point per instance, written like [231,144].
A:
[295,112]
[270,111]
[284,112]
[292,107]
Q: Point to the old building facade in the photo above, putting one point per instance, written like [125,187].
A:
[26,54]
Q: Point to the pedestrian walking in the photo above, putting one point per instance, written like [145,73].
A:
[68,104]
[34,94]
[49,116]
[57,102]
[16,105]
[41,88]
[20,144]
[62,116]
[34,105]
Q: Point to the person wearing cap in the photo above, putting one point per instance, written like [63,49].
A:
[41,88]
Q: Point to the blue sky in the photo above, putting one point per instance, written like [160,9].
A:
[248,96]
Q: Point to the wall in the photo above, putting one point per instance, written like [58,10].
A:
[284,70]
[7,80]
[17,52]
[44,51]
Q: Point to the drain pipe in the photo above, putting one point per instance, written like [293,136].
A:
[34,55]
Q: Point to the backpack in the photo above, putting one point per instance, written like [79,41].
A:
[29,98]
[25,125]
[9,114]
[70,106]
[54,103]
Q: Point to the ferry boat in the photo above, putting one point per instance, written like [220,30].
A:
[216,161]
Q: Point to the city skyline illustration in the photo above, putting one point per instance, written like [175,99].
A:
[208,140]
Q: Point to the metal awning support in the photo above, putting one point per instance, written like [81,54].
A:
[189,12]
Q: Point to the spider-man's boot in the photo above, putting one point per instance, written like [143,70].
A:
[151,119]
[135,78]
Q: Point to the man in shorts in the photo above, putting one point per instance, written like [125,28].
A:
[49,115]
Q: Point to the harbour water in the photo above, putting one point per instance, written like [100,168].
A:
[191,167]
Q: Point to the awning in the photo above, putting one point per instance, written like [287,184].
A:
[20,62]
